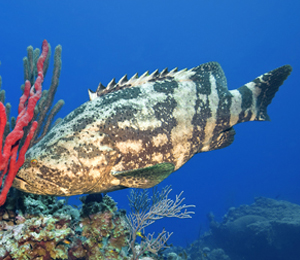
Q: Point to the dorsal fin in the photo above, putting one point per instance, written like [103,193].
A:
[199,74]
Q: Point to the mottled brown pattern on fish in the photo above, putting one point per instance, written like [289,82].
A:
[137,148]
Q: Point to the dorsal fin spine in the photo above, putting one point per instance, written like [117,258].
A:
[111,84]
[123,80]
[154,74]
[164,72]
[144,75]
[173,70]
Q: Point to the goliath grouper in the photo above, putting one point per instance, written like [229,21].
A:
[136,132]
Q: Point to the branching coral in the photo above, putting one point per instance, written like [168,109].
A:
[144,213]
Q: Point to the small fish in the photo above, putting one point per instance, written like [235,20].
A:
[140,234]
[136,132]
[66,241]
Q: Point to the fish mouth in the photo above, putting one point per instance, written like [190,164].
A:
[21,179]
[23,185]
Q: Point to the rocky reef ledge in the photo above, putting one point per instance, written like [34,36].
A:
[265,230]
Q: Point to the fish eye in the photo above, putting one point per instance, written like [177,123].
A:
[33,162]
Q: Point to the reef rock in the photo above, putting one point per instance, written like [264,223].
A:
[267,229]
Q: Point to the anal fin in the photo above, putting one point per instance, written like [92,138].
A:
[225,139]
[144,177]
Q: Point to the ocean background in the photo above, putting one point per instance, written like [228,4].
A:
[102,40]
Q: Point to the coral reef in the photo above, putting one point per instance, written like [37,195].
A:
[94,203]
[42,227]
[102,235]
[42,236]
[266,229]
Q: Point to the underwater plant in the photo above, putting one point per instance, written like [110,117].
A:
[146,211]
[35,113]
[10,159]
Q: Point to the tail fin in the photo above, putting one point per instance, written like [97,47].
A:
[258,94]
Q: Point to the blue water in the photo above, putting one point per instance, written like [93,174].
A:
[106,39]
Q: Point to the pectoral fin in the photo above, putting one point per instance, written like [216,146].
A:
[145,177]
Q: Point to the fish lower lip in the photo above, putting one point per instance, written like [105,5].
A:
[34,189]
[17,177]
